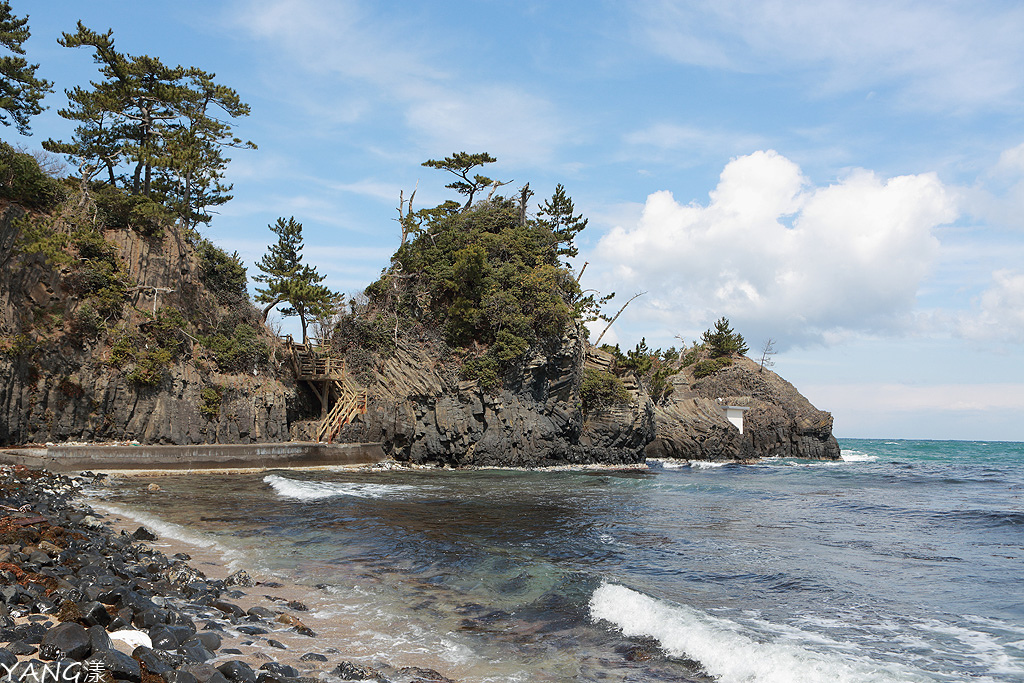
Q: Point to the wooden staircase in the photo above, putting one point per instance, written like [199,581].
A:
[328,379]
[350,402]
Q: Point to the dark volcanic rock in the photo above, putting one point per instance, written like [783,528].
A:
[67,640]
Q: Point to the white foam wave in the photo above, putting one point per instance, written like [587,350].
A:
[857,456]
[318,490]
[705,464]
[164,529]
[724,650]
[667,463]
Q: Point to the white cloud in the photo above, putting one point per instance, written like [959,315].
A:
[796,262]
[998,314]
[940,54]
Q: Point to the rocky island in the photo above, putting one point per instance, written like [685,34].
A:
[119,323]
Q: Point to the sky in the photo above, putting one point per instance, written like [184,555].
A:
[845,178]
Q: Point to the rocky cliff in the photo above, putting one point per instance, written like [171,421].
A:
[691,425]
[81,357]
[109,334]
[424,414]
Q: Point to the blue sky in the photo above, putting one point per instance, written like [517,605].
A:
[846,178]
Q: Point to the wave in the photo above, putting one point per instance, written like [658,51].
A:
[858,456]
[318,490]
[164,529]
[722,648]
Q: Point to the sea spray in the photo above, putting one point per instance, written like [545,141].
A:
[318,490]
[720,646]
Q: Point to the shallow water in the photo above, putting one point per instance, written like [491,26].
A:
[901,563]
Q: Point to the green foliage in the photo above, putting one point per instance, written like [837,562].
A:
[601,389]
[691,357]
[122,350]
[17,346]
[211,402]
[723,341]
[22,181]
[564,226]
[287,279]
[460,164]
[709,366]
[20,90]
[364,333]
[148,352]
[36,236]
[150,367]
[126,211]
[641,359]
[239,350]
[659,386]
[222,273]
[86,322]
[97,275]
[159,131]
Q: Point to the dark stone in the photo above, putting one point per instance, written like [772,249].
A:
[261,612]
[194,651]
[280,669]
[143,534]
[67,640]
[312,657]
[417,674]
[205,673]
[240,578]
[276,643]
[94,614]
[297,605]
[7,658]
[231,651]
[208,639]
[163,639]
[179,677]
[98,639]
[237,670]
[252,630]
[120,665]
[150,618]
[153,662]
[228,608]
[350,671]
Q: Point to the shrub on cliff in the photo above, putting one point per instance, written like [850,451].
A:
[601,389]
[703,368]
[23,182]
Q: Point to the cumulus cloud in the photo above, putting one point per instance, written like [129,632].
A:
[797,262]
[939,54]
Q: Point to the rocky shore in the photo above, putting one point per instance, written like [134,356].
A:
[82,603]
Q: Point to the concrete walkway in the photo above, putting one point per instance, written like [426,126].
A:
[194,457]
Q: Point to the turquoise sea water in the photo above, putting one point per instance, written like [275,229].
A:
[904,562]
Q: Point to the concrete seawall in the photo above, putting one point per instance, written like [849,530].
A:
[195,457]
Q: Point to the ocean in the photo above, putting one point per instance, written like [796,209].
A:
[903,562]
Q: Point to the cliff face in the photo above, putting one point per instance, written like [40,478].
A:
[423,414]
[780,422]
[57,380]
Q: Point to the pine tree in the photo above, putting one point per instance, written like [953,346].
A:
[724,341]
[161,121]
[459,165]
[563,224]
[20,90]
[288,280]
